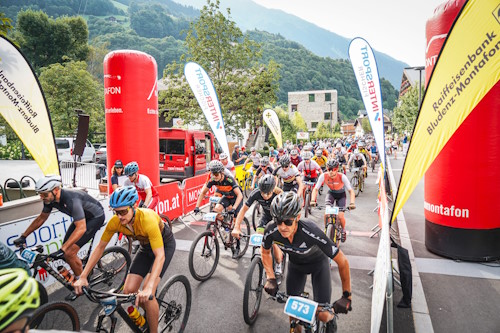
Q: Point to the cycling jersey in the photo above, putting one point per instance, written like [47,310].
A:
[142,183]
[225,186]
[255,159]
[337,184]
[230,166]
[289,175]
[359,160]
[77,204]
[311,170]
[321,161]
[309,244]
[147,228]
[295,161]
[269,171]
[256,195]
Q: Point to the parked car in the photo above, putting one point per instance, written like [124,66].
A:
[101,155]
[65,148]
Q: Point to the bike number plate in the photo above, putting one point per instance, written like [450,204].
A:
[214,200]
[109,304]
[310,183]
[29,256]
[210,217]
[331,210]
[301,308]
[256,240]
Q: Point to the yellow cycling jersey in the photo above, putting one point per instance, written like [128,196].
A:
[320,160]
[147,228]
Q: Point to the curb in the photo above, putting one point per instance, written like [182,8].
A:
[420,310]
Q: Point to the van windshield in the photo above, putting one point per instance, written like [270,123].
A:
[172,147]
[62,144]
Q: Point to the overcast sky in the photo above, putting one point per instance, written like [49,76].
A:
[394,27]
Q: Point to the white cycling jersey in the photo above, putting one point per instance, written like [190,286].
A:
[255,159]
[289,175]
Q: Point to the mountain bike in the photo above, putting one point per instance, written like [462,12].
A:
[174,301]
[110,271]
[307,197]
[357,181]
[204,253]
[246,183]
[334,229]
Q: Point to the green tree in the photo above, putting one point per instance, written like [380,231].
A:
[70,86]
[5,24]
[231,60]
[95,60]
[46,41]
[405,114]
[299,122]
[365,124]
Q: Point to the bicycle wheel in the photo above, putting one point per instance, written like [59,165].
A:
[355,184]
[245,231]
[166,220]
[111,270]
[256,215]
[307,207]
[175,304]
[124,242]
[331,232]
[55,315]
[254,287]
[204,256]
[248,186]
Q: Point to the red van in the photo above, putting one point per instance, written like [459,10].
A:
[186,153]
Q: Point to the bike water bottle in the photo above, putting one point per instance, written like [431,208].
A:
[65,273]
[136,316]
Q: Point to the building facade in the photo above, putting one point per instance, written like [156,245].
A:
[314,106]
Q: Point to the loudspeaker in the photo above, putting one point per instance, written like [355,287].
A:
[81,134]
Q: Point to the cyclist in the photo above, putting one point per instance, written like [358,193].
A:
[87,214]
[340,154]
[254,157]
[373,151]
[229,165]
[227,187]
[264,195]
[294,157]
[358,159]
[338,185]
[118,177]
[320,159]
[264,169]
[154,255]
[281,153]
[308,249]
[290,175]
[308,168]
[19,298]
[143,185]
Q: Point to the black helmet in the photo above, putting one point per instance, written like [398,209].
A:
[267,184]
[285,161]
[286,205]
[333,163]
[216,166]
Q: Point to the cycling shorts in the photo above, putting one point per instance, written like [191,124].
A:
[332,198]
[287,187]
[310,179]
[145,257]
[226,202]
[358,163]
[264,220]
[320,276]
[93,225]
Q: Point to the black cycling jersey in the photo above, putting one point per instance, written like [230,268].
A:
[265,204]
[310,244]
[225,187]
[77,204]
[269,171]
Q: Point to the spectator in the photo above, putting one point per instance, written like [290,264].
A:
[118,178]
[237,157]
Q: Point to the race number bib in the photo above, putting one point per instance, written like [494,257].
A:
[301,308]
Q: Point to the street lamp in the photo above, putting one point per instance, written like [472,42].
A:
[419,69]
[331,115]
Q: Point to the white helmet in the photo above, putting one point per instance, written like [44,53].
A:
[223,156]
[338,145]
[48,183]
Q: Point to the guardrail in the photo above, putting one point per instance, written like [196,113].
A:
[11,184]
[78,174]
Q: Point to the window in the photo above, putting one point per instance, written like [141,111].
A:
[311,97]
[328,116]
[328,97]
[294,107]
[173,147]
[199,147]
[314,124]
[62,144]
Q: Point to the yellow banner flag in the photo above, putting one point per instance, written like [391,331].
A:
[23,106]
[467,68]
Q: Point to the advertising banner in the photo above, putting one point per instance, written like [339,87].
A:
[205,94]
[365,68]
[23,106]
[171,201]
[192,188]
[466,70]
[272,121]
[303,135]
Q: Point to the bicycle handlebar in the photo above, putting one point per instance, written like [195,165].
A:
[96,295]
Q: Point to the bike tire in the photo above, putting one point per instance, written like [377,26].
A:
[245,231]
[256,215]
[174,313]
[248,186]
[204,250]
[307,207]
[254,286]
[167,220]
[111,269]
[331,232]
[55,315]
[355,185]
[125,242]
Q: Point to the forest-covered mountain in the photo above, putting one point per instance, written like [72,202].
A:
[154,27]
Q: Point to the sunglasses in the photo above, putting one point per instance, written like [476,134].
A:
[132,175]
[333,169]
[117,167]
[121,212]
[288,223]
[44,194]
[215,174]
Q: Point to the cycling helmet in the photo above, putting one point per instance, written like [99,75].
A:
[264,161]
[267,183]
[294,152]
[286,205]
[338,145]
[48,183]
[306,155]
[123,196]
[19,295]
[271,148]
[252,149]
[284,161]
[280,149]
[223,156]
[319,153]
[333,163]
[131,168]
[361,144]
[216,166]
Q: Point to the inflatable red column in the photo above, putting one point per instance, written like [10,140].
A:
[461,186]
[131,104]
